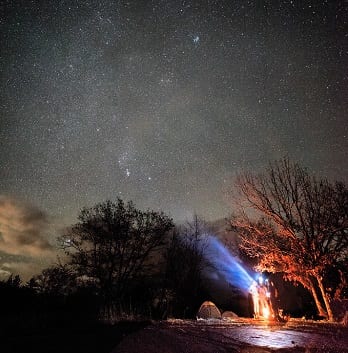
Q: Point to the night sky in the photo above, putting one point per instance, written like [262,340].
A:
[159,102]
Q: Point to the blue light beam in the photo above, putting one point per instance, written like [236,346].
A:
[227,265]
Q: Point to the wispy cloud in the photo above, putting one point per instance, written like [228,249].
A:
[22,228]
[4,274]
[25,268]
[23,234]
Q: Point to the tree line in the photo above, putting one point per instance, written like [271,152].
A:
[121,262]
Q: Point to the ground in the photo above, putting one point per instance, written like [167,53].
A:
[66,339]
[178,336]
[241,335]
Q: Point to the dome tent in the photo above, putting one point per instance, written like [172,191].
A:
[208,310]
[229,315]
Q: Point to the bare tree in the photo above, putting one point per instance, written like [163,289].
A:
[294,223]
[185,262]
[112,242]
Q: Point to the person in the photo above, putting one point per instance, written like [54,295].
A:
[261,295]
[254,291]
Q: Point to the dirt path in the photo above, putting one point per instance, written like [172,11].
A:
[238,336]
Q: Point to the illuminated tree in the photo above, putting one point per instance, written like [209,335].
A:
[112,243]
[294,223]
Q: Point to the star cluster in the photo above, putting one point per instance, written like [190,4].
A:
[162,102]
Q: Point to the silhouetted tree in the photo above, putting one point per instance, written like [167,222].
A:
[294,223]
[18,302]
[55,280]
[112,244]
[185,264]
[13,281]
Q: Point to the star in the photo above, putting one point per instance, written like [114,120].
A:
[119,96]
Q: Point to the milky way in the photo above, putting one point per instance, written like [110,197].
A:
[162,102]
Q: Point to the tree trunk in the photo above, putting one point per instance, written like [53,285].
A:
[325,298]
[321,310]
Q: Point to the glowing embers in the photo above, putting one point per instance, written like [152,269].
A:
[261,297]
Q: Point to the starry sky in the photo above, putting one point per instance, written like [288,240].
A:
[159,102]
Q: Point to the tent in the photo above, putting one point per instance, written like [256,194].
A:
[229,315]
[208,310]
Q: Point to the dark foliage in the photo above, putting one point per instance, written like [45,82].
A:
[69,339]
[186,261]
[113,250]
